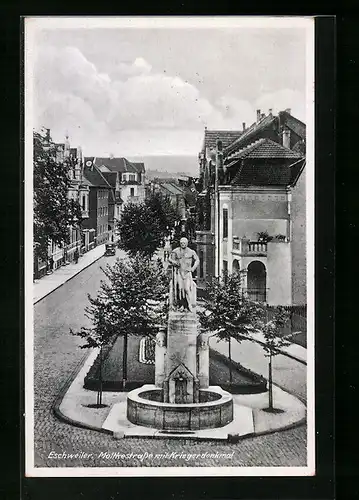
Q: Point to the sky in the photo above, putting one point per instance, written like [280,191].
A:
[151,91]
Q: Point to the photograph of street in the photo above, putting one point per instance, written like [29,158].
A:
[169,180]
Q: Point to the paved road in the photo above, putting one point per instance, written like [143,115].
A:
[57,354]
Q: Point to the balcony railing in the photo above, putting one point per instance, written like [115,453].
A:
[247,247]
[133,199]
[257,247]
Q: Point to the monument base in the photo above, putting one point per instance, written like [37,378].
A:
[145,407]
[180,381]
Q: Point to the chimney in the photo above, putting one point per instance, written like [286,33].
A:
[262,116]
[270,112]
[288,110]
[258,115]
[244,126]
[286,137]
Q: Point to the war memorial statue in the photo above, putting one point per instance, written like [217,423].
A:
[183,289]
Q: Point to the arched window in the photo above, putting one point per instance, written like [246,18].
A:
[257,281]
[235,266]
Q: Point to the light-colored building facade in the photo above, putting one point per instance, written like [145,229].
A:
[131,178]
[79,192]
[252,214]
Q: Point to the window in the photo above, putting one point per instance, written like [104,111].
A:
[83,202]
[132,192]
[131,177]
[225,223]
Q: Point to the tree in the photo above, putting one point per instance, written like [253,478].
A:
[270,322]
[143,226]
[139,231]
[163,211]
[133,301]
[228,313]
[53,210]
[99,335]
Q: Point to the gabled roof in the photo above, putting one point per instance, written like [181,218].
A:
[253,172]
[111,178]
[116,164]
[226,136]
[172,188]
[121,165]
[250,134]
[140,167]
[257,129]
[293,123]
[95,177]
[264,148]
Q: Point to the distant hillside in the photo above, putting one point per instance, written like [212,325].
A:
[152,174]
[172,165]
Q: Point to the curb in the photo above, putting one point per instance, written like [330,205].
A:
[283,353]
[56,405]
[58,413]
[67,280]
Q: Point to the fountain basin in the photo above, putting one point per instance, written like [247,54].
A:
[145,407]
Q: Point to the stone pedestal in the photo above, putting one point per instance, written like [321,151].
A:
[181,358]
[181,341]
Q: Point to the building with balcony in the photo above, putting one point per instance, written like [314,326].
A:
[251,211]
[131,177]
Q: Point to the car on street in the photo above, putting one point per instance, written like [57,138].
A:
[110,249]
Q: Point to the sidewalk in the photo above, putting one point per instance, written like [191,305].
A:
[287,373]
[51,282]
[250,417]
[294,351]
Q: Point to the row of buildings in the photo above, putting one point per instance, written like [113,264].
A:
[101,186]
[252,207]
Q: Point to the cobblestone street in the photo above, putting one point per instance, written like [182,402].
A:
[57,355]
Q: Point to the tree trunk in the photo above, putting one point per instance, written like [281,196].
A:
[99,392]
[270,383]
[124,361]
[230,361]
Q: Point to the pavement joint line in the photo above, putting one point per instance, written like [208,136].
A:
[67,280]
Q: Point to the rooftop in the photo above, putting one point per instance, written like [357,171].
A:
[121,165]
[95,177]
[256,130]
[264,148]
[226,136]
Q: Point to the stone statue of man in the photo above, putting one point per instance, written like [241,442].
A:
[185,261]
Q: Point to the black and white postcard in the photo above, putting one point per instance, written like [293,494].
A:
[169,234]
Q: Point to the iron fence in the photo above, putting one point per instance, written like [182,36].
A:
[297,321]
